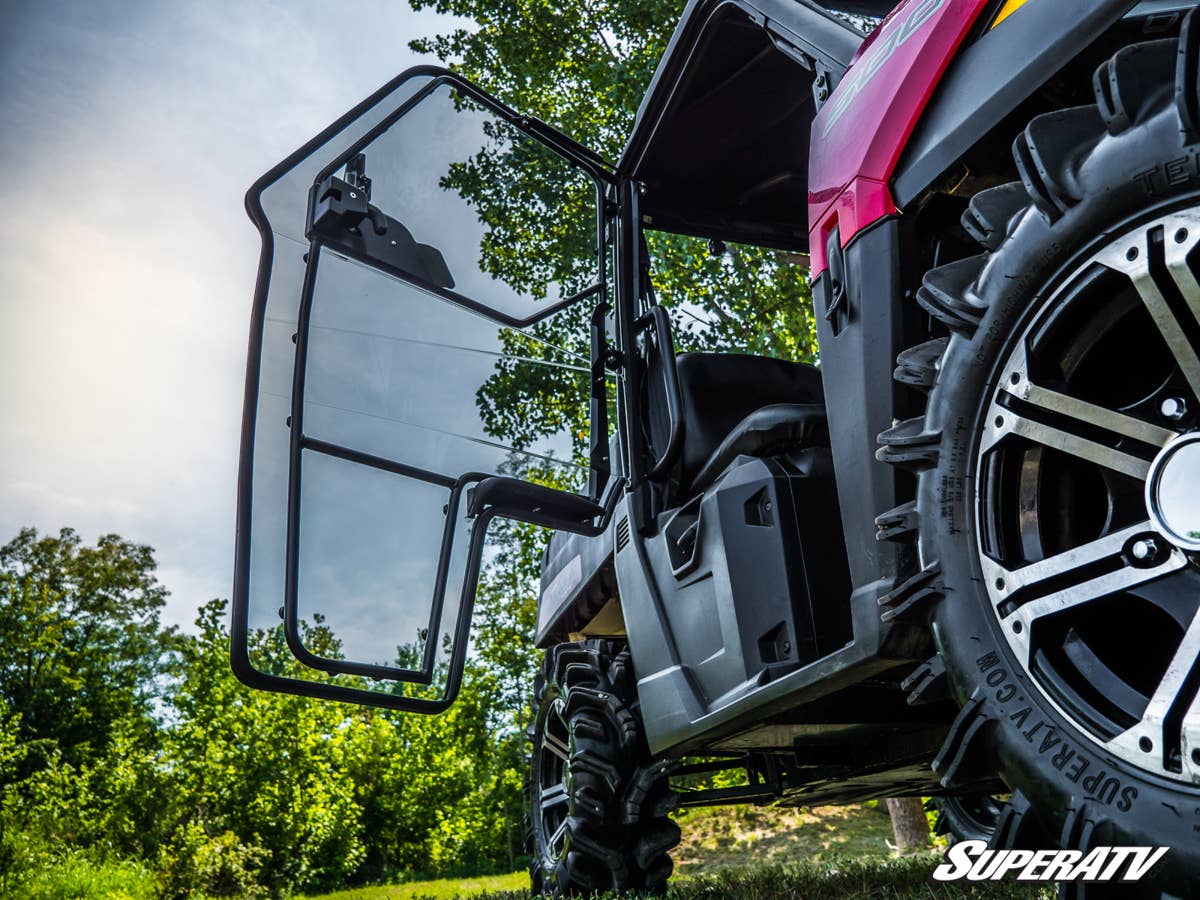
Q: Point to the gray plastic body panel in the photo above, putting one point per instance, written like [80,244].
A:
[761,597]
[571,564]
[694,639]
[857,362]
[1160,7]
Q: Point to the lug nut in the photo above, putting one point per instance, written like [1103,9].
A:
[1174,408]
[1144,549]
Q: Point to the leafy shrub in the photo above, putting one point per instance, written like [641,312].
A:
[193,863]
[76,875]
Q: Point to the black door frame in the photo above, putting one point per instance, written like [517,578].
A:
[242,665]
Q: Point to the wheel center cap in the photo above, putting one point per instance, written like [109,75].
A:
[1173,492]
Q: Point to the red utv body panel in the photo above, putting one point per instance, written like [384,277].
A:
[860,132]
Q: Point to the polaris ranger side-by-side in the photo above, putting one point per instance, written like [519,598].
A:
[960,557]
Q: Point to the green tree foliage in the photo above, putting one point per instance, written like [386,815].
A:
[269,768]
[584,68]
[580,66]
[224,791]
[81,647]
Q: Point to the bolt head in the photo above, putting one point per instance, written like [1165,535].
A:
[1174,408]
[1144,549]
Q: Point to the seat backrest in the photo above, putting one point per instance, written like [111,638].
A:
[717,391]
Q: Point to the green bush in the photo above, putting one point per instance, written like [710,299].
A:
[215,866]
[76,876]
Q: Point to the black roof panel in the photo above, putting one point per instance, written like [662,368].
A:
[721,139]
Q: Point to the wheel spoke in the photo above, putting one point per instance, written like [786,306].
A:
[555,745]
[1138,270]
[554,796]
[1019,385]
[1177,253]
[1190,742]
[1165,319]
[1087,591]
[1005,422]
[1148,736]
[559,834]
[1005,583]
[1093,589]
[1070,413]
[1015,580]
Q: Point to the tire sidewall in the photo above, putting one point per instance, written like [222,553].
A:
[1036,750]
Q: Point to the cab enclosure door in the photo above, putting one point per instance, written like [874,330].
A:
[426,357]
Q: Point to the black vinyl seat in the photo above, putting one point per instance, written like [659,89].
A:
[736,403]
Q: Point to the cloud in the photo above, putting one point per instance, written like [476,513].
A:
[131,132]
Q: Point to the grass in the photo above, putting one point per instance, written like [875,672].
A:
[716,839]
[894,879]
[514,885]
[751,853]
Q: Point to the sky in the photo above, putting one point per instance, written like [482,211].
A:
[131,131]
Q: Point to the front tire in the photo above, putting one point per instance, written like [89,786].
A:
[598,804]
[1065,607]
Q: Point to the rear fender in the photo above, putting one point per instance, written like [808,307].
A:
[860,133]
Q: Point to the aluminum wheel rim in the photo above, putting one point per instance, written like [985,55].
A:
[552,774]
[1091,569]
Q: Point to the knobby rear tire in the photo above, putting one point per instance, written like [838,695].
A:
[605,826]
